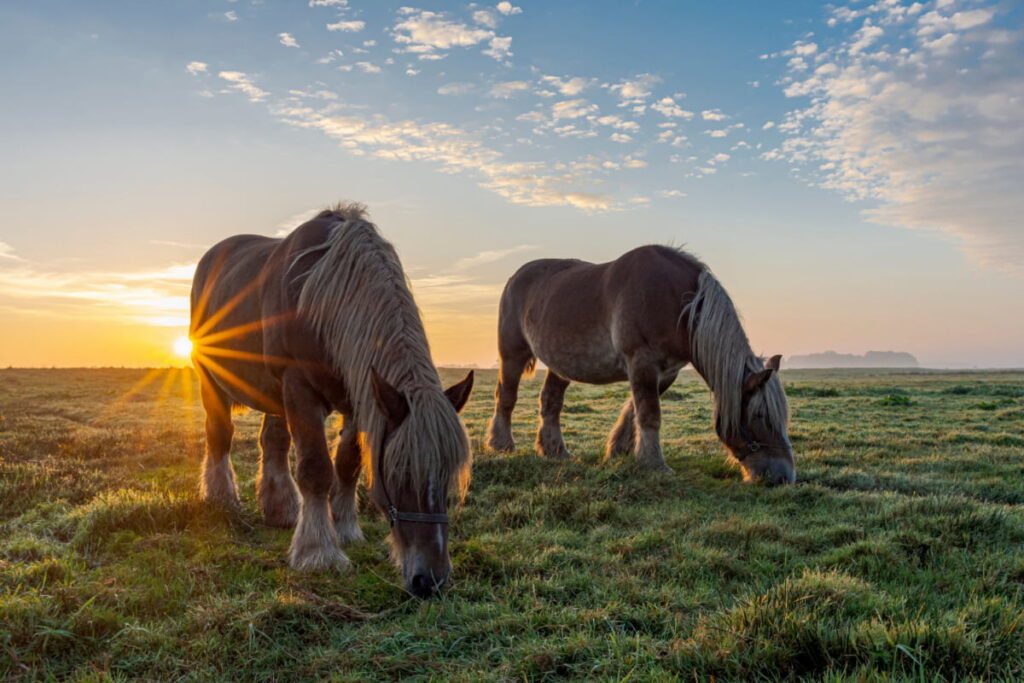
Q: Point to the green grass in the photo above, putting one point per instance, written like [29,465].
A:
[899,555]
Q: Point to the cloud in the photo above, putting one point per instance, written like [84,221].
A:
[231,15]
[485,18]
[287,40]
[932,138]
[572,109]
[196,68]
[368,67]
[532,183]
[667,107]
[347,26]
[157,296]
[568,86]
[485,257]
[7,253]
[636,88]
[620,138]
[242,82]
[507,8]
[342,4]
[713,115]
[424,32]
[507,89]
[455,88]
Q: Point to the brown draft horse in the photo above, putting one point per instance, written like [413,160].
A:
[641,318]
[320,321]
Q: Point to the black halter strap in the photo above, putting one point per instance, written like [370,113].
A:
[394,514]
[753,445]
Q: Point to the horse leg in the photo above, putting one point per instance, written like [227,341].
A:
[347,464]
[499,432]
[549,436]
[315,542]
[622,438]
[643,382]
[217,482]
[275,488]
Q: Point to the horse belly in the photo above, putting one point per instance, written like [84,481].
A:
[596,362]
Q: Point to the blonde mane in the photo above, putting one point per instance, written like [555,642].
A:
[721,353]
[357,300]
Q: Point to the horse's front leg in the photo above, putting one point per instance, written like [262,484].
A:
[275,487]
[499,431]
[549,435]
[217,483]
[643,382]
[315,542]
[622,438]
[347,464]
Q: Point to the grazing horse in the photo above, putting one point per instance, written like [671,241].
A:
[641,318]
[321,321]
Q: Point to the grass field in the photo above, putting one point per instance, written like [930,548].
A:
[899,554]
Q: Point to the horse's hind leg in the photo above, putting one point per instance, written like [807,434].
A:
[549,435]
[217,481]
[499,431]
[622,438]
[275,488]
[643,382]
[315,542]
[347,464]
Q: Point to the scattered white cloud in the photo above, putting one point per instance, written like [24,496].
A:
[567,86]
[231,15]
[713,115]
[508,89]
[636,88]
[667,107]
[7,253]
[353,26]
[490,256]
[287,39]
[242,82]
[455,88]
[158,296]
[930,130]
[620,138]
[572,109]
[196,68]
[340,4]
[485,18]
[368,67]
[507,8]
[424,32]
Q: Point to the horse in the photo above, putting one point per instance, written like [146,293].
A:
[641,318]
[319,321]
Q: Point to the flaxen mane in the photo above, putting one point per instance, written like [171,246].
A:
[722,353]
[358,301]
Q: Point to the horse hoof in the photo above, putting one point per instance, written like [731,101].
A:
[320,559]
[349,533]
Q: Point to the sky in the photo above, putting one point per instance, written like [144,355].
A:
[852,173]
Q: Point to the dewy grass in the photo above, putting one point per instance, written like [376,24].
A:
[899,555]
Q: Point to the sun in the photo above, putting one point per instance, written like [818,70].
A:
[183,347]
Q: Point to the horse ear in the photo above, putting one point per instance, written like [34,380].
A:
[774,362]
[389,400]
[458,394]
[756,381]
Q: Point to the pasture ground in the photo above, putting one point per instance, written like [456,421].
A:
[898,555]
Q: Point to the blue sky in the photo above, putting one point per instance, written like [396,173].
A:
[851,172]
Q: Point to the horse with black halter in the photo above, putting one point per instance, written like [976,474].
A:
[323,320]
[641,318]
